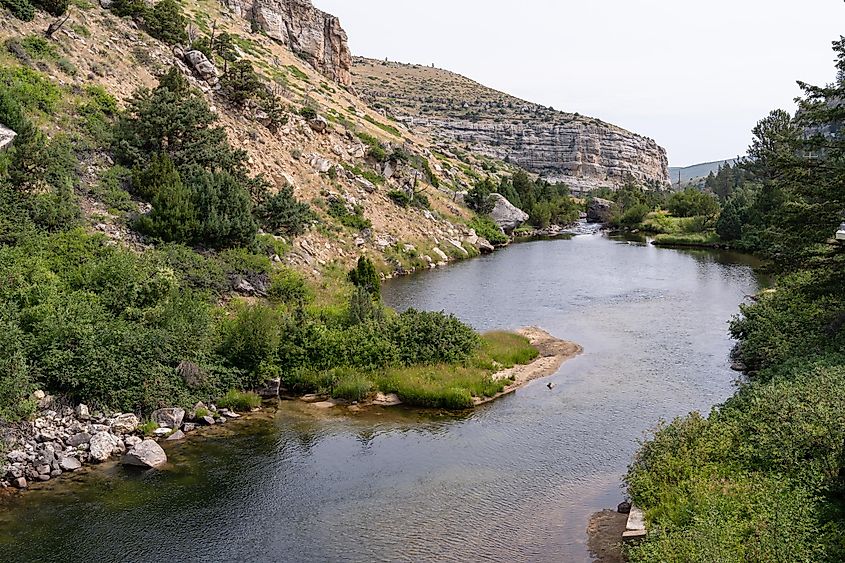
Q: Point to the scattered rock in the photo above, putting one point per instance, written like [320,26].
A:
[125,424]
[169,418]
[147,454]
[20,483]
[101,446]
[208,420]
[387,400]
[178,435]
[78,439]
[162,431]
[132,441]
[68,463]
[82,412]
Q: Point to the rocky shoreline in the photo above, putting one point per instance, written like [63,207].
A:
[62,439]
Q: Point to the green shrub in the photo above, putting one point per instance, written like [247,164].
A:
[16,387]
[289,286]
[365,276]
[478,198]
[165,21]
[429,338]
[691,203]
[485,227]
[21,9]
[374,148]
[399,197]
[308,112]
[239,401]
[241,83]
[39,48]
[281,213]
[251,338]
[55,8]
[634,215]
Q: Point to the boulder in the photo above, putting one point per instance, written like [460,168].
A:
[624,507]
[202,66]
[271,389]
[148,454]
[125,423]
[319,124]
[7,137]
[20,483]
[208,420]
[131,441]
[169,418]
[101,446]
[78,439]
[68,463]
[599,210]
[483,245]
[505,214]
[82,412]
[178,435]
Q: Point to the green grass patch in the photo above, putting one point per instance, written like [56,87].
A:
[370,175]
[239,401]
[297,72]
[383,126]
[709,238]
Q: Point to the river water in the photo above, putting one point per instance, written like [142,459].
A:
[515,480]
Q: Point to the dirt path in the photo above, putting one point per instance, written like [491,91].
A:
[553,352]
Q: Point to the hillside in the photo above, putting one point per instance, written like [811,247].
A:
[696,173]
[323,165]
[581,151]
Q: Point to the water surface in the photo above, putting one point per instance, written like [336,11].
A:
[515,480]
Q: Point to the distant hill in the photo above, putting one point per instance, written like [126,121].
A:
[695,173]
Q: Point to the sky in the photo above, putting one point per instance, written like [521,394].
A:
[694,76]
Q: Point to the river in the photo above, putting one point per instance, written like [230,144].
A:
[515,480]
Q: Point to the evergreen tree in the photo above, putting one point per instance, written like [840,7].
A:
[165,21]
[365,276]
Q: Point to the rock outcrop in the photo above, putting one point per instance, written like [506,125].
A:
[311,33]
[580,151]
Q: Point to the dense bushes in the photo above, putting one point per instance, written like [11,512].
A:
[486,228]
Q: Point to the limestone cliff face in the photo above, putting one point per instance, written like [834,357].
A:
[305,30]
[580,151]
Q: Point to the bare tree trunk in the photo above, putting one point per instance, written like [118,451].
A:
[56,25]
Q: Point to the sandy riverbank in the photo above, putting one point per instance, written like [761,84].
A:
[553,352]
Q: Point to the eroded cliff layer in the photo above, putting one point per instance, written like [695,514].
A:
[311,33]
[582,151]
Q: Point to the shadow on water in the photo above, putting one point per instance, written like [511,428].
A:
[515,480]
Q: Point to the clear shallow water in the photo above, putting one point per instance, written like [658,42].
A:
[515,480]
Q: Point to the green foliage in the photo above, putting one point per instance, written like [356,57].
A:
[365,276]
[478,198]
[53,7]
[130,8]
[165,21]
[634,215]
[289,286]
[428,338]
[16,386]
[486,228]
[250,340]
[21,9]
[352,386]
[692,203]
[39,48]
[281,213]
[239,401]
[353,219]
[374,148]
[30,89]
[242,84]
[308,112]
[399,197]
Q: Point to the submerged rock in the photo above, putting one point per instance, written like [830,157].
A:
[147,454]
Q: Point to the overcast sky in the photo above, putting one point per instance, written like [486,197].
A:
[695,76]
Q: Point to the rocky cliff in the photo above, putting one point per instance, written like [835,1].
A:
[581,151]
[311,33]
